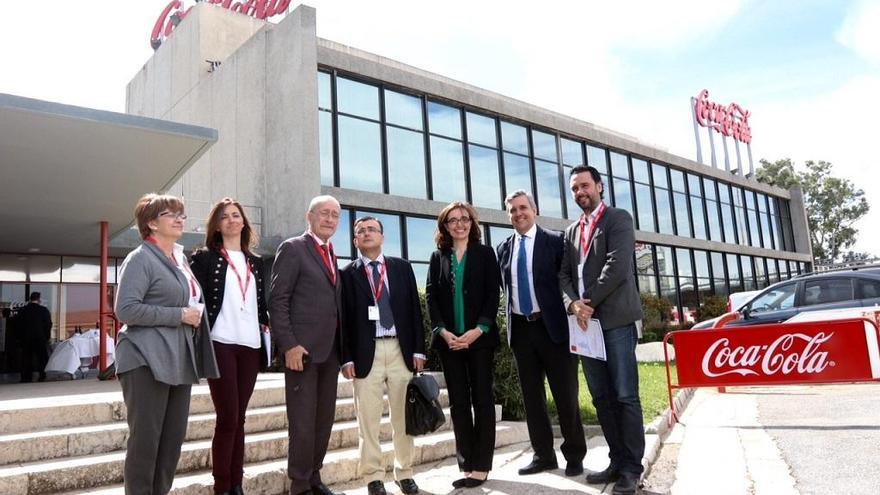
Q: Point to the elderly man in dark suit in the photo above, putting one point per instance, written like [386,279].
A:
[384,346]
[597,281]
[537,332]
[305,321]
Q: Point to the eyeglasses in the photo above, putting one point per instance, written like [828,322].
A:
[456,221]
[174,216]
[371,230]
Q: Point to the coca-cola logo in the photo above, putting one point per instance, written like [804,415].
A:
[730,120]
[168,20]
[779,357]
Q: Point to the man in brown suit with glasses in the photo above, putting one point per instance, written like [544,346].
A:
[304,314]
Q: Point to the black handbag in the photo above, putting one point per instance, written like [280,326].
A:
[423,411]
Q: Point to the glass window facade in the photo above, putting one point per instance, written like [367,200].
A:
[392,140]
[406,162]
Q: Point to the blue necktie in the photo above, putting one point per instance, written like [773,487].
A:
[386,318]
[522,279]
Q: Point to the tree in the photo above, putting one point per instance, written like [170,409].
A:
[833,204]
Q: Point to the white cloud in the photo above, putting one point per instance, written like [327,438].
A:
[860,32]
[839,127]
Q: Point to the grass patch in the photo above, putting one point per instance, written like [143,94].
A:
[652,392]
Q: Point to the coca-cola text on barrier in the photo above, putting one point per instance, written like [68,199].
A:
[779,354]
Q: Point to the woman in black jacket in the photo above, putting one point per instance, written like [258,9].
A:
[462,297]
[232,278]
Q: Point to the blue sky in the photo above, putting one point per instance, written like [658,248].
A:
[809,71]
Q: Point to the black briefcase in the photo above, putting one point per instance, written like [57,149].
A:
[423,411]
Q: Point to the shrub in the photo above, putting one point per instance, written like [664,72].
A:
[656,312]
[712,307]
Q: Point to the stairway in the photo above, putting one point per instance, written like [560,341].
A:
[55,440]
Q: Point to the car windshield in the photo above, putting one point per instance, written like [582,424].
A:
[775,299]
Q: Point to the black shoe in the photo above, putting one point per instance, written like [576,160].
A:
[602,477]
[474,482]
[376,488]
[408,486]
[321,489]
[460,483]
[536,466]
[574,469]
[236,490]
[626,485]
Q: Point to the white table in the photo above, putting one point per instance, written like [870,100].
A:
[78,352]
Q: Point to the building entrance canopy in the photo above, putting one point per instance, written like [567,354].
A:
[64,169]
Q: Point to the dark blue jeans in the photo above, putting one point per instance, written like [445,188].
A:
[614,385]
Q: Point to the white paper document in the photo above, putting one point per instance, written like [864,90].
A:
[589,343]
[267,345]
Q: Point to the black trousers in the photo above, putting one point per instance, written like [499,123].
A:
[537,357]
[33,353]
[469,375]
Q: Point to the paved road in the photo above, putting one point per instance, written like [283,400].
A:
[774,440]
[829,436]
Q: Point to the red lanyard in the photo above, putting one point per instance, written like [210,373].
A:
[377,293]
[325,255]
[243,287]
[193,292]
[587,240]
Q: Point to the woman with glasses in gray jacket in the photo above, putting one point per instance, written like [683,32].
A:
[164,347]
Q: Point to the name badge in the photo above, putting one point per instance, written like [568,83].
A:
[373,313]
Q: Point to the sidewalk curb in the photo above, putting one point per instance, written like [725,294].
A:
[657,430]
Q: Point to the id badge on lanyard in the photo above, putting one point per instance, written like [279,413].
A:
[586,244]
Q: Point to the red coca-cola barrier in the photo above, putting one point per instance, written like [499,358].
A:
[819,352]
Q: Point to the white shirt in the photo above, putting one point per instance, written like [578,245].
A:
[386,292]
[192,286]
[238,321]
[514,257]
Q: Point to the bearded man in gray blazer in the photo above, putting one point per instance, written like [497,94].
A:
[597,281]
[305,322]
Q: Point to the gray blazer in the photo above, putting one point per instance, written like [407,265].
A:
[149,298]
[304,302]
[609,282]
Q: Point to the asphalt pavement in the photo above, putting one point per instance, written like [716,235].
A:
[773,440]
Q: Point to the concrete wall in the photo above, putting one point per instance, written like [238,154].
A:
[293,172]
[800,227]
[256,99]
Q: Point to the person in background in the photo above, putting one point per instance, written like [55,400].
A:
[34,325]
[232,277]
[462,294]
[537,331]
[597,282]
[164,347]
[385,346]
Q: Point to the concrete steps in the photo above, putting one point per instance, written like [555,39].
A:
[75,443]
[270,478]
[108,437]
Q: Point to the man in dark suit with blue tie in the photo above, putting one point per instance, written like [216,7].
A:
[537,331]
[384,345]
